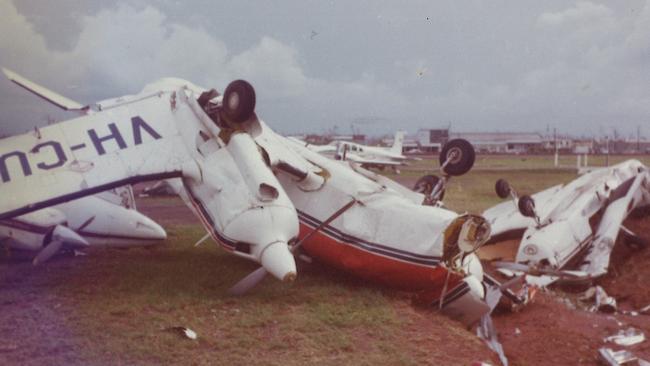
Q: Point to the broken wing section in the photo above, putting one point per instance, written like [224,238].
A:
[633,193]
[134,142]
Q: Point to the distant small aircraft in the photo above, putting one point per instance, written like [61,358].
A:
[260,195]
[568,231]
[108,219]
[367,156]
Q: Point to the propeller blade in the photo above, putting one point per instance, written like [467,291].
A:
[200,241]
[47,252]
[535,271]
[248,282]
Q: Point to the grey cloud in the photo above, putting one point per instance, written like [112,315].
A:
[482,66]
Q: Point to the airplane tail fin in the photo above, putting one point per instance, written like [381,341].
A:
[398,142]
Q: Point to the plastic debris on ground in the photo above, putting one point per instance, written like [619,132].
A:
[602,302]
[627,337]
[184,332]
[645,310]
[486,331]
[620,358]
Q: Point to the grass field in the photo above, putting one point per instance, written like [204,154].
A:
[115,306]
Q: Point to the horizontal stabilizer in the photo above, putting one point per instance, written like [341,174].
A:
[43,92]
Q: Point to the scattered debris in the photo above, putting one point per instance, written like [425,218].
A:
[602,302]
[619,358]
[487,332]
[184,332]
[645,310]
[160,188]
[627,337]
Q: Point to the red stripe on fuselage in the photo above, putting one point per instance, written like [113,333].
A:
[393,272]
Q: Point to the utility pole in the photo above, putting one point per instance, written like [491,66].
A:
[555,145]
[607,148]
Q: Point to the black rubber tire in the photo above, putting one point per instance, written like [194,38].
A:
[526,206]
[239,101]
[502,188]
[463,162]
[426,184]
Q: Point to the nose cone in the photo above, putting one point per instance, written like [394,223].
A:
[146,228]
[69,237]
[278,261]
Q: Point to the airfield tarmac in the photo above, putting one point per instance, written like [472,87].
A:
[116,306]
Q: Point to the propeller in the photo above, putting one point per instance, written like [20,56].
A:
[53,242]
[536,270]
[200,241]
[255,277]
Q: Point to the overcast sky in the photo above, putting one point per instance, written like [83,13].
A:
[581,67]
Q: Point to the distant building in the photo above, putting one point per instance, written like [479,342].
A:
[583,146]
[426,141]
[503,142]
[565,144]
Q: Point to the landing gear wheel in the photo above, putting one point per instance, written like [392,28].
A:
[239,101]
[459,156]
[526,206]
[502,188]
[426,184]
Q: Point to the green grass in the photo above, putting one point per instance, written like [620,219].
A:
[528,162]
[474,192]
[127,299]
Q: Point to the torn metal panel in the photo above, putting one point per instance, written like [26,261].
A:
[626,337]
[601,301]
[488,333]
[622,201]
[617,358]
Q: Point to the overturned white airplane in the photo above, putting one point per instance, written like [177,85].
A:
[108,219]
[569,230]
[260,195]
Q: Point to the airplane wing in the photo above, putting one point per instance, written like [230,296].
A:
[136,141]
[368,161]
[629,195]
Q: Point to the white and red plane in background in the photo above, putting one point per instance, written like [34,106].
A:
[260,195]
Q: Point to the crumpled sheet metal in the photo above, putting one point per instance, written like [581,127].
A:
[620,358]
[602,301]
[627,337]
[488,333]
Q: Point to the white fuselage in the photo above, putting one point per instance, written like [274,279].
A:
[100,222]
